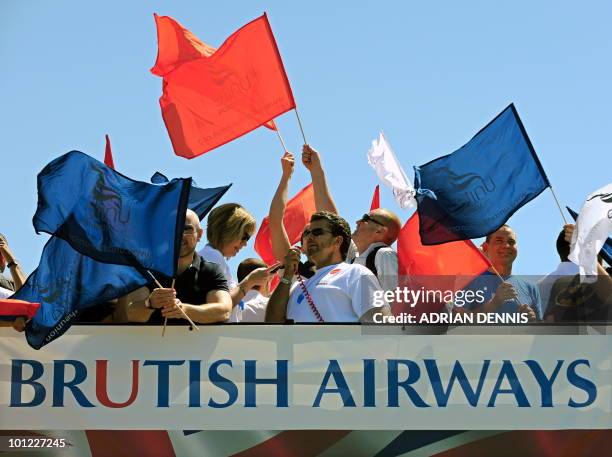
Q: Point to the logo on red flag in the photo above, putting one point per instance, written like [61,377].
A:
[211,97]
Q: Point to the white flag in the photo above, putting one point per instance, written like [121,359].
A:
[593,227]
[382,158]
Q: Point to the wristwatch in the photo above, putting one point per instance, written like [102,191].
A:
[284,280]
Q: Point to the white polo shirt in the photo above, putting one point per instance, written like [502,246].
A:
[341,292]
[213,255]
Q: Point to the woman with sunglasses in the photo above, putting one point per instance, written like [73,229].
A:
[229,228]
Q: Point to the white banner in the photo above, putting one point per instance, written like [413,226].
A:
[303,377]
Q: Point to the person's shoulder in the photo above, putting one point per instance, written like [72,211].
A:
[545,280]
[386,252]
[5,293]
[355,269]
[211,254]
[519,280]
[211,268]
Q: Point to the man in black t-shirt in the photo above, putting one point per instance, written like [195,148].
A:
[200,289]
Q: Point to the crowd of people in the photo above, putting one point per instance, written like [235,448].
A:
[337,283]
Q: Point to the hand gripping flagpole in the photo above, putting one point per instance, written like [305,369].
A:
[166,319]
[180,309]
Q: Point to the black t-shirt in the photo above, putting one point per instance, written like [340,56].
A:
[192,286]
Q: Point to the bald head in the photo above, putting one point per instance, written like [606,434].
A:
[192,218]
[378,226]
[390,221]
[192,233]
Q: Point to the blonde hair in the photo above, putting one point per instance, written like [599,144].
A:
[227,223]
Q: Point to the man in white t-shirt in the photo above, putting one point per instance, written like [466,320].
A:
[375,233]
[338,292]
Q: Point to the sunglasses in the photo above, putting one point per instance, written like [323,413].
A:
[314,232]
[245,237]
[368,218]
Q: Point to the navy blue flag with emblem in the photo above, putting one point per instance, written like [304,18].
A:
[473,191]
[606,249]
[65,283]
[109,217]
[201,200]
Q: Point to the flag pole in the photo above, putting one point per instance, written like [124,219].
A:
[300,124]
[558,205]
[281,139]
[166,319]
[182,312]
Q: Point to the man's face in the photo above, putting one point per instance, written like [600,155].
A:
[318,242]
[369,228]
[501,247]
[191,235]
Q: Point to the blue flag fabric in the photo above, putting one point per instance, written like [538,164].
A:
[201,200]
[606,249]
[473,191]
[109,217]
[67,282]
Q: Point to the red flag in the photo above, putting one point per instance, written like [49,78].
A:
[297,214]
[14,308]
[176,46]
[375,199]
[211,97]
[449,266]
[108,154]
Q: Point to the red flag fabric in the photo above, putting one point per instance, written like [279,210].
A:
[108,154]
[14,308]
[375,199]
[443,267]
[211,97]
[176,46]
[297,214]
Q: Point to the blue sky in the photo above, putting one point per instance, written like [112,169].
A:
[430,74]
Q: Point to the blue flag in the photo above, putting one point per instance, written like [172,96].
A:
[67,282]
[109,217]
[473,191]
[606,249]
[201,200]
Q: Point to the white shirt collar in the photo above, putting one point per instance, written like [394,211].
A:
[370,248]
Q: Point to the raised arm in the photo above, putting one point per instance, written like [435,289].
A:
[323,198]
[276,311]
[19,278]
[278,234]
